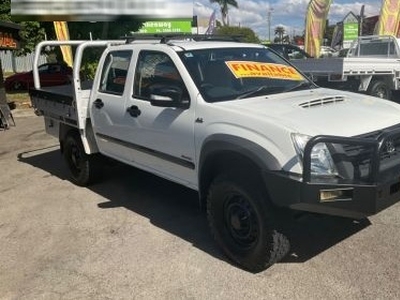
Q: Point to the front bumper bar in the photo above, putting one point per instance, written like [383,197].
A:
[368,181]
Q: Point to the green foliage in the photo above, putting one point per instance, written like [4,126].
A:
[88,69]
[5,10]
[247,34]
[31,34]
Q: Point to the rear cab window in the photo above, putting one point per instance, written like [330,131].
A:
[115,71]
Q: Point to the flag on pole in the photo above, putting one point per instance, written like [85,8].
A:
[62,33]
[317,13]
[389,18]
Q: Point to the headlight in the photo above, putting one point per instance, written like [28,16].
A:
[321,159]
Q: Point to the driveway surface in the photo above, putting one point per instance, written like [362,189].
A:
[136,236]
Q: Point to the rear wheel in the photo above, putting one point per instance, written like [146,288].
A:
[380,89]
[17,86]
[241,221]
[83,167]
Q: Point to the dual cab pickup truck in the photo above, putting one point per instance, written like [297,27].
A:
[235,122]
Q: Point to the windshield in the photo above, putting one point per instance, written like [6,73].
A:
[238,73]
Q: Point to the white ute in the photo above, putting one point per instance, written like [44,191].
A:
[235,122]
[371,66]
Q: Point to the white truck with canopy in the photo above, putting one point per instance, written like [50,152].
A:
[235,122]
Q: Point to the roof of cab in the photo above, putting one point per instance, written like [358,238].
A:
[187,42]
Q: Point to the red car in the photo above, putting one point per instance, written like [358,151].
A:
[50,74]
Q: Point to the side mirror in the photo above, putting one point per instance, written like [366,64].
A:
[167,96]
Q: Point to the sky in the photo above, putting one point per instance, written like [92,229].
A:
[287,13]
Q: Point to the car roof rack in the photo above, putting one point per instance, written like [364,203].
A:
[164,38]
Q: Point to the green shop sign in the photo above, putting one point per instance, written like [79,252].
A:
[166,26]
[350,31]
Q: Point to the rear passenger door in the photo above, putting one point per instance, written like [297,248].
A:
[108,105]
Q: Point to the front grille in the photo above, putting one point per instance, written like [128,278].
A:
[353,161]
[357,159]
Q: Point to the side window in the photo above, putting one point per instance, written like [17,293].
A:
[54,69]
[392,48]
[43,68]
[115,70]
[296,53]
[156,69]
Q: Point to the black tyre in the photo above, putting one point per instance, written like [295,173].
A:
[17,86]
[380,89]
[241,220]
[83,168]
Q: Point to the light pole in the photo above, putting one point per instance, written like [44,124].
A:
[269,22]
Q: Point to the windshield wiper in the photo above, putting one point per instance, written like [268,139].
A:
[261,90]
[304,85]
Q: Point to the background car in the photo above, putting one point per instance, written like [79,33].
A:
[328,52]
[289,51]
[50,74]
[343,52]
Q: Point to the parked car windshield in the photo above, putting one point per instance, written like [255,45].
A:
[289,51]
[237,73]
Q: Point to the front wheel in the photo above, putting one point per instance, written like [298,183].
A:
[242,223]
[380,89]
[83,167]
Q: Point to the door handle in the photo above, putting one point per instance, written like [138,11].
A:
[134,111]
[98,103]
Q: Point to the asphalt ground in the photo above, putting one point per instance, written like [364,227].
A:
[136,236]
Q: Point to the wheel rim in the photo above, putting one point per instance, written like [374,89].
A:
[75,159]
[241,222]
[381,92]
[17,85]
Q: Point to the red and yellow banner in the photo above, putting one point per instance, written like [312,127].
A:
[389,18]
[317,13]
[62,33]
[243,69]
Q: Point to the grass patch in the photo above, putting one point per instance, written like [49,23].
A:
[20,99]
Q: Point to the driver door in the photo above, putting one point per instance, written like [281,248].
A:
[162,137]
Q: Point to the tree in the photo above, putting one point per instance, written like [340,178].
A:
[279,32]
[224,5]
[5,10]
[247,34]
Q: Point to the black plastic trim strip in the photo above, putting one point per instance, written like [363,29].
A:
[158,154]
